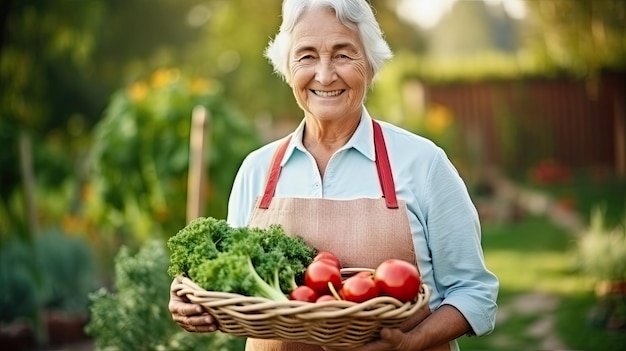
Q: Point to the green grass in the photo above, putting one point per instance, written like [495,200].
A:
[587,336]
[535,256]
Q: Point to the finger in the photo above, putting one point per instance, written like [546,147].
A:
[185,308]
[204,319]
[205,328]
[393,337]
[201,324]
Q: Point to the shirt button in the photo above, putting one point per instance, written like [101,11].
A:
[316,185]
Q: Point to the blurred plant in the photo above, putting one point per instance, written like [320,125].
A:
[53,273]
[578,35]
[602,255]
[139,160]
[550,172]
[136,317]
[438,124]
[602,250]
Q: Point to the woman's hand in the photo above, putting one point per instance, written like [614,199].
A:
[432,334]
[189,316]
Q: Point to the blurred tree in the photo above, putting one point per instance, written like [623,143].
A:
[401,36]
[42,42]
[43,45]
[579,35]
[235,36]
[471,28]
[138,37]
[59,62]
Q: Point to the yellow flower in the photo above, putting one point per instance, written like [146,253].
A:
[199,86]
[163,77]
[138,91]
[438,119]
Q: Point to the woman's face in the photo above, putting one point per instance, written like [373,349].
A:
[328,71]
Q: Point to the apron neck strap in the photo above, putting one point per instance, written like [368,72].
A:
[272,178]
[382,166]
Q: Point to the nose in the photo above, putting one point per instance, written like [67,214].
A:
[325,72]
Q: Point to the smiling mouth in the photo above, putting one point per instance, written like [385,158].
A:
[327,93]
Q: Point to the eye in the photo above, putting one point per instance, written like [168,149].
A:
[306,57]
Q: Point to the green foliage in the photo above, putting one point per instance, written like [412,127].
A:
[140,154]
[18,275]
[55,272]
[590,335]
[579,36]
[42,37]
[253,262]
[135,316]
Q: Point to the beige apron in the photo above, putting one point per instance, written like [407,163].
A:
[362,232]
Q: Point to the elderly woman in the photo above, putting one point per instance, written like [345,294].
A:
[363,189]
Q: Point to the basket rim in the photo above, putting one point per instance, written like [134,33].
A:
[385,307]
[340,324]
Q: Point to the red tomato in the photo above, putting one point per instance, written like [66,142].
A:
[325,255]
[359,288]
[326,298]
[399,279]
[319,273]
[365,274]
[303,293]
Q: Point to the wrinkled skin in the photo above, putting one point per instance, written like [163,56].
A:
[191,317]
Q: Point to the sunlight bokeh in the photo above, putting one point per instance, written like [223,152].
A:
[426,14]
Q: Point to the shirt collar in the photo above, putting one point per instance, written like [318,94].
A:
[361,140]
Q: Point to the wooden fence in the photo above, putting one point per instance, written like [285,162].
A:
[579,123]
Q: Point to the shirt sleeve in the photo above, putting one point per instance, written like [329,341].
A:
[249,183]
[246,187]
[454,238]
[238,203]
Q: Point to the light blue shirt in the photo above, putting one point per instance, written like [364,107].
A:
[443,219]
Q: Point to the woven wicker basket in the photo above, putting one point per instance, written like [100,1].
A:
[333,324]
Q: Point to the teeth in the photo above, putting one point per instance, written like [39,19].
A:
[327,93]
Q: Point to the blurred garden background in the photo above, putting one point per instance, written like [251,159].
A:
[96,103]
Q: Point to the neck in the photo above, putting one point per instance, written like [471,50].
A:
[323,138]
[328,135]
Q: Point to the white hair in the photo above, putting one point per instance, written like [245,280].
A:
[356,14]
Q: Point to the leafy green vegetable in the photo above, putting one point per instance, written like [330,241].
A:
[232,272]
[247,261]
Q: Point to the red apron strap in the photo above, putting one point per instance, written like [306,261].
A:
[384,167]
[272,178]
